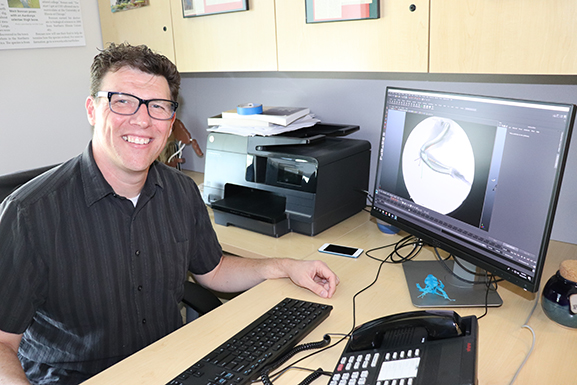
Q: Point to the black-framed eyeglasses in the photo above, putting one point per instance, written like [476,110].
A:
[126,104]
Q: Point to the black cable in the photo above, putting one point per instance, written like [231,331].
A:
[417,245]
[275,376]
[474,272]
[294,351]
[345,336]
[442,261]
[368,207]
[488,289]
[309,378]
[313,376]
[369,197]
[407,241]
[490,281]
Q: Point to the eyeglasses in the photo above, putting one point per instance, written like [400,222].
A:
[126,104]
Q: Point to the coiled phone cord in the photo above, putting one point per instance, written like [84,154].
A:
[297,349]
[313,376]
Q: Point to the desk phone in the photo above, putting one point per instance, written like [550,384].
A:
[415,348]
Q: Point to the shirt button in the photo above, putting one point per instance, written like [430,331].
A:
[137,253]
[143,320]
[140,288]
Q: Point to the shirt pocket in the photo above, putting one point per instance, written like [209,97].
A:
[169,267]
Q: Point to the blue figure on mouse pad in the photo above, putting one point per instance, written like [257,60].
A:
[433,286]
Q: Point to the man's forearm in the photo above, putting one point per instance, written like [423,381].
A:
[10,369]
[236,274]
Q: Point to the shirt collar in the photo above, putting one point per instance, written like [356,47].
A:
[96,187]
[93,182]
[152,181]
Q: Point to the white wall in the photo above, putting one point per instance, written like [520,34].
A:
[42,94]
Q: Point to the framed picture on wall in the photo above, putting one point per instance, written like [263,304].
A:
[192,8]
[322,11]
[126,5]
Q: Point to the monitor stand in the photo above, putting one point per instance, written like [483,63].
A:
[431,285]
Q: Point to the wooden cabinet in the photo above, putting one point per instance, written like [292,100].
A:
[503,36]
[235,41]
[397,41]
[150,25]
[273,35]
[438,36]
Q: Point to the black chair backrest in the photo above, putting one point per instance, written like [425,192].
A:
[11,182]
[199,298]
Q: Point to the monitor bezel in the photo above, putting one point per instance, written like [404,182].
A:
[469,253]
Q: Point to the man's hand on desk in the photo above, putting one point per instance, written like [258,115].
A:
[235,274]
[313,275]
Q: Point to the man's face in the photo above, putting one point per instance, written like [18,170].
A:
[128,144]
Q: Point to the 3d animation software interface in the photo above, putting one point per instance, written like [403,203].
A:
[466,166]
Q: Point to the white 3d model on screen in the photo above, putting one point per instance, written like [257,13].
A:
[439,153]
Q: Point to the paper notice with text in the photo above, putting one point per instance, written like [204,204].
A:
[40,24]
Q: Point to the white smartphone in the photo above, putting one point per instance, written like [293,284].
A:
[345,251]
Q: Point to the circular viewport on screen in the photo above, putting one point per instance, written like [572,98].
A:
[438,164]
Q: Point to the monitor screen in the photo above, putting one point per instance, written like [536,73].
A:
[476,176]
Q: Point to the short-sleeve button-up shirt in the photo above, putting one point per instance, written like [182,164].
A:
[88,277]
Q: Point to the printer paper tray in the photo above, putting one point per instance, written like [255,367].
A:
[252,209]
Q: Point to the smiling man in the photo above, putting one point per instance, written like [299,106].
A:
[129,134]
[94,254]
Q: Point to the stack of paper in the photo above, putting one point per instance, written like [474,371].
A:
[272,121]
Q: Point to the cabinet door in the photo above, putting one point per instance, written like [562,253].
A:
[504,36]
[397,41]
[235,41]
[150,25]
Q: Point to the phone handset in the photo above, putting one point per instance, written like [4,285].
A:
[438,324]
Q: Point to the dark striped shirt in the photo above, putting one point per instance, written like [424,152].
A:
[90,279]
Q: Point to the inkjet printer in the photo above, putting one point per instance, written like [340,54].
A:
[304,181]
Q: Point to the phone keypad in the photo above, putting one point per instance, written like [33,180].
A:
[380,368]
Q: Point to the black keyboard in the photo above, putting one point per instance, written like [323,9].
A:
[240,360]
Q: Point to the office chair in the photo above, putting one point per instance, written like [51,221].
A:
[11,182]
[199,298]
[195,296]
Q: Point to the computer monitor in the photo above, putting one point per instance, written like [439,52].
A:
[476,176]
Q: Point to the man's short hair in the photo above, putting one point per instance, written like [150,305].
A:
[117,56]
